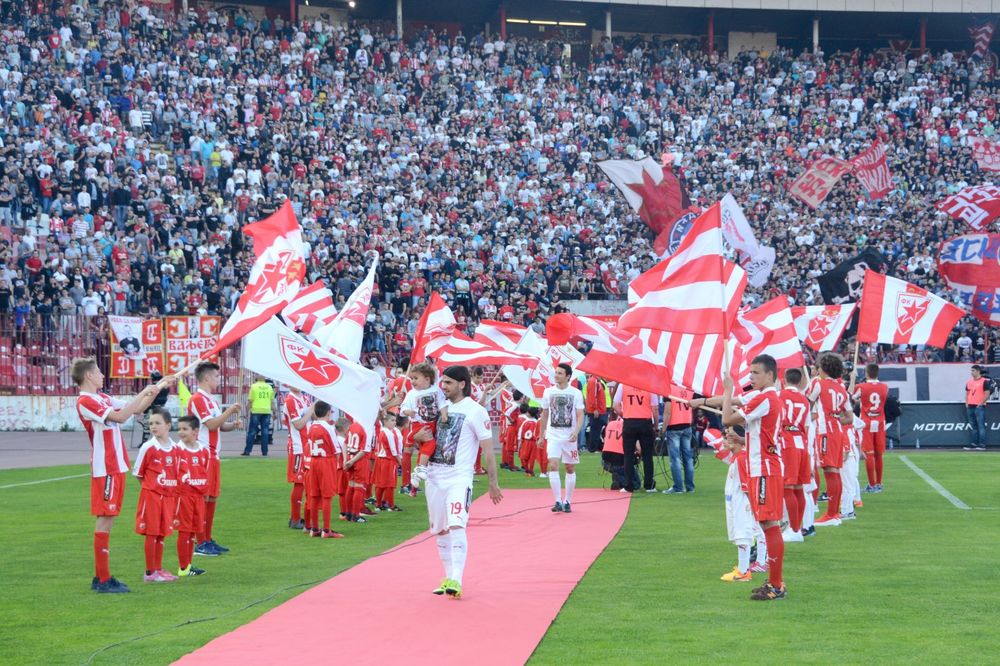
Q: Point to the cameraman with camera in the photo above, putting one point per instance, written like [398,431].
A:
[977,393]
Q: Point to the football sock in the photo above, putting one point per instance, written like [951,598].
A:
[444,552]
[357,500]
[792,507]
[570,486]
[183,549]
[209,518]
[159,554]
[326,506]
[800,505]
[297,490]
[761,548]
[459,551]
[809,515]
[878,467]
[342,500]
[102,565]
[776,554]
[407,464]
[834,489]
[847,492]
[743,558]
[390,496]
[554,484]
[150,548]
[870,469]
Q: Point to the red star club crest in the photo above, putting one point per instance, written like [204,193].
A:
[308,364]
[276,277]
[820,325]
[909,310]
[660,201]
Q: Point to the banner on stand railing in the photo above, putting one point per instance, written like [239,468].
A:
[188,338]
[136,346]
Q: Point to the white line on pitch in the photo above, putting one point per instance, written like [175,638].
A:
[959,504]
[34,483]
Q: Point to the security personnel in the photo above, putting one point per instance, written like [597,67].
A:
[261,401]
[640,413]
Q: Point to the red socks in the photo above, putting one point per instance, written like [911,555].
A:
[159,553]
[357,499]
[185,549]
[792,504]
[312,513]
[407,464]
[326,504]
[102,565]
[297,490]
[775,555]
[870,469]
[878,468]
[390,496]
[342,501]
[834,489]
[796,520]
[151,554]
[209,519]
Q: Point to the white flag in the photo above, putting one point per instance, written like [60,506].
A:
[276,351]
[346,332]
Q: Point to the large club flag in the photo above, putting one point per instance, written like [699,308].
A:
[346,333]
[986,152]
[460,349]
[978,206]
[532,382]
[276,351]
[770,329]
[820,327]
[872,170]
[614,354]
[311,308]
[896,312]
[656,194]
[499,333]
[275,277]
[434,329]
[694,290]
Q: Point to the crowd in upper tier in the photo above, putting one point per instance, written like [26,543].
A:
[134,146]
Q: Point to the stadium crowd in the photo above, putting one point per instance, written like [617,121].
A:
[134,146]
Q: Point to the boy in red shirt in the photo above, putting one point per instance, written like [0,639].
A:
[356,447]
[794,454]
[326,447]
[156,467]
[828,395]
[189,515]
[101,416]
[527,440]
[390,450]
[872,395]
[297,416]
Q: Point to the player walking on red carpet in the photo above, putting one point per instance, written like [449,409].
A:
[450,472]
[101,416]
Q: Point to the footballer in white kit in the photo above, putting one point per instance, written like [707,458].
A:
[450,471]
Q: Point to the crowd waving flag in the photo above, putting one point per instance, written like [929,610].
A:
[816,182]
[311,308]
[820,327]
[872,169]
[435,327]
[978,206]
[276,351]
[275,277]
[981,36]
[894,311]
[970,264]
[986,153]
[656,194]
[695,290]
[345,334]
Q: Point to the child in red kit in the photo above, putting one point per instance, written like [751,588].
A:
[156,466]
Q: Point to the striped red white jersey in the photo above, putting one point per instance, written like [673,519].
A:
[762,412]
[107,446]
[295,407]
[794,415]
[390,443]
[323,440]
[204,406]
[829,398]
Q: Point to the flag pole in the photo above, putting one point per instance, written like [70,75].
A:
[854,367]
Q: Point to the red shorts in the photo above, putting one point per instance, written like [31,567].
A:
[425,448]
[341,477]
[214,478]
[324,475]
[155,514]
[106,493]
[295,468]
[831,449]
[385,473]
[189,514]
[796,464]
[872,442]
[309,480]
[359,472]
[371,468]
[767,497]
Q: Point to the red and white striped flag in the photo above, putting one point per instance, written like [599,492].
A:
[977,205]
[275,277]
[534,381]
[345,334]
[820,327]
[435,327]
[312,307]
[694,290]
[981,35]
[896,312]
[770,329]
[871,168]
[499,333]
[714,439]
[460,349]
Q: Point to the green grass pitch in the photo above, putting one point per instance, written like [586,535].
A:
[913,580]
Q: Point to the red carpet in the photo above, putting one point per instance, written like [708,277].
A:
[520,571]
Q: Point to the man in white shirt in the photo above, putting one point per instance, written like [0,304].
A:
[561,420]
[449,474]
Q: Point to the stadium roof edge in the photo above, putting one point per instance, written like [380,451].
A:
[887,6]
